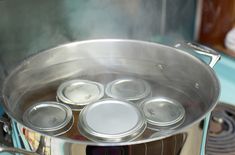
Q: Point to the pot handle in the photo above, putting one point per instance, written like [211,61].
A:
[203,50]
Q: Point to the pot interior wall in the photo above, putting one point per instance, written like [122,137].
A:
[171,73]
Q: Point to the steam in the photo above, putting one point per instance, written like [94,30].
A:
[31,26]
[28,27]
[132,19]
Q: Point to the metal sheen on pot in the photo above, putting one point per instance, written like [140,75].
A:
[78,93]
[173,72]
[163,112]
[131,89]
[49,117]
[111,120]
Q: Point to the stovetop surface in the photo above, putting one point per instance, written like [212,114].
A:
[221,132]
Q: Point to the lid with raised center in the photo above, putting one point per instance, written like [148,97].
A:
[49,117]
[128,89]
[78,93]
[162,112]
[111,120]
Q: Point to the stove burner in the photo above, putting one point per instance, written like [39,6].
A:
[221,134]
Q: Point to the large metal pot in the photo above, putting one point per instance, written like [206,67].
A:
[178,74]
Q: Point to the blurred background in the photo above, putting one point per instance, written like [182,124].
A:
[30,26]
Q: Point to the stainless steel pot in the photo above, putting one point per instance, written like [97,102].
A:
[171,72]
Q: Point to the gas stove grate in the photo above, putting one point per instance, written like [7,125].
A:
[221,134]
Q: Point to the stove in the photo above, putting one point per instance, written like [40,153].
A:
[221,133]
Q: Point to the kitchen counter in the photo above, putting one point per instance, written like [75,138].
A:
[225,70]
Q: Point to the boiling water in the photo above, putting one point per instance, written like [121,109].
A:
[158,89]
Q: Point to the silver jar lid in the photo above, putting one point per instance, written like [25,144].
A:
[52,118]
[78,93]
[111,120]
[128,89]
[163,112]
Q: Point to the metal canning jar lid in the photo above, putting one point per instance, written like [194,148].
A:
[52,118]
[128,89]
[162,112]
[111,120]
[78,93]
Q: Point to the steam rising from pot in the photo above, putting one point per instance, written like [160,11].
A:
[28,26]
[136,19]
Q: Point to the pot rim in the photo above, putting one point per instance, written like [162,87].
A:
[181,130]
